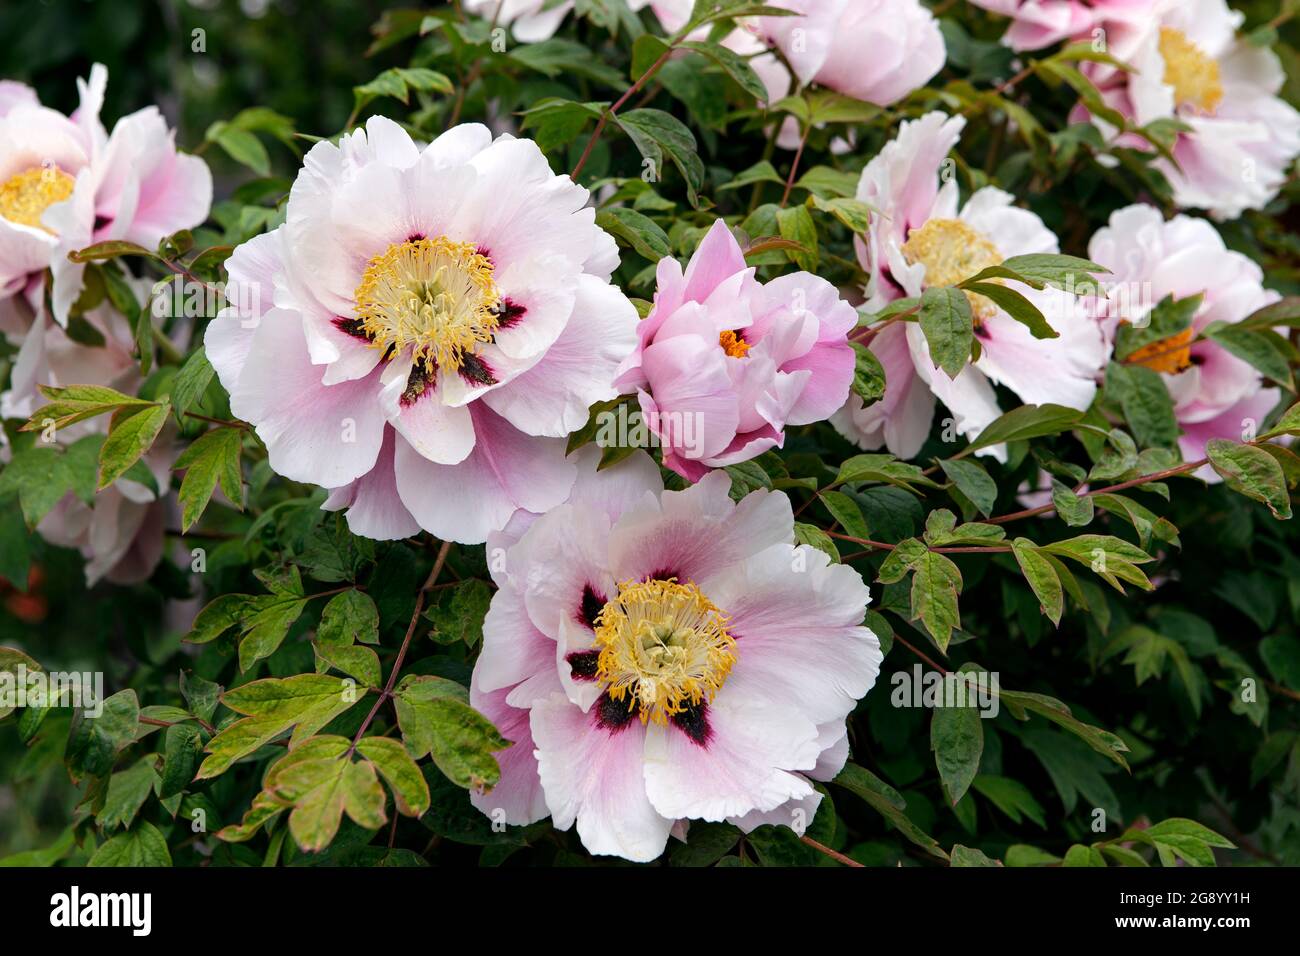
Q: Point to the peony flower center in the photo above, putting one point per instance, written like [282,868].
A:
[733,344]
[434,296]
[952,252]
[1192,73]
[663,647]
[1171,355]
[25,197]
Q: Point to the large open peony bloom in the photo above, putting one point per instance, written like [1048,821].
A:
[922,238]
[1216,394]
[1189,64]
[725,362]
[872,50]
[659,657]
[424,329]
[65,183]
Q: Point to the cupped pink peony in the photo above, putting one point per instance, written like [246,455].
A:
[424,329]
[725,362]
[1189,64]
[872,50]
[922,236]
[1216,394]
[66,183]
[659,657]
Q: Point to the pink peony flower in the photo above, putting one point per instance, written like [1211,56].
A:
[121,533]
[1040,23]
[65,183]
[1190,65]
[424,329]
[660,656]
[531,21]
[872,50]
[725,362]
[1216,394]
[920,238]
[674,14]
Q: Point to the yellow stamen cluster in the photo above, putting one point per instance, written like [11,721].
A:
[434,296]
[1192,72]
[25,197]
[663,647]
[951,252]
[733,344]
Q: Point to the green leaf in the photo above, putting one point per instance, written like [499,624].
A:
[305,702]
[760,172]
[936,584]
[1042,578]
[13,661]
[1011,797]
[436,719]
[399,83]
[1252,472]
[847,512]
[131,434]
[957,739]
[795,223]
[887,801]
[885,469]
[142,846]
[182,750]
[267,626]
[191,382]
[1262,348]
[1020,704]
[1015,305]
[241,146]
[459,618]
[972,481]
[320,783]
[1146,403]
[349,618]
[853,213]
[656,133]
[1074,510]
[1027,421]
[814,536]
[359,663]
[94,742]
[1181,838]
[213,458]
[410,792]
[868,375]
[1065,272]
[127,792]
[968,856]
[736,66]
[15,553]
[637,230]
[76,403]
[946,320]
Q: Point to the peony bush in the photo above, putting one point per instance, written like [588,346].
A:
[714,433]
